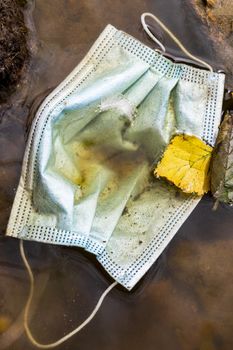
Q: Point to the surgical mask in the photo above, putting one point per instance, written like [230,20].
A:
[86,176]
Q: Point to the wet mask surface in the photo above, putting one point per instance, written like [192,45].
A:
[93,146]
[184,296]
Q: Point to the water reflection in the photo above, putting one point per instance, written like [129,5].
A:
[185,301]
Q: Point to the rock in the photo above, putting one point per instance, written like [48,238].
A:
[219,17]
[222,162]
[211,3]
[13,46]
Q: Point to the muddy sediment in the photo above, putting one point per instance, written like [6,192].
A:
[13,46]
[218,15]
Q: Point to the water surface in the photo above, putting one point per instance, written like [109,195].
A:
[186,299]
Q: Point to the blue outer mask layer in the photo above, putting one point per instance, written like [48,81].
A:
[86,173]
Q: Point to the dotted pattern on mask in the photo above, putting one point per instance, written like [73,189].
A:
[94,247]
[48,234]
[212,111]
[135,47]
[144,261]
[20,218]
[211,80]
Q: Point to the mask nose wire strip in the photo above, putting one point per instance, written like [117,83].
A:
[174,38]
[28,304]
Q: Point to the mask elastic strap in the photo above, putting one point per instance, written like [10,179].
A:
[174,38]
[28,304]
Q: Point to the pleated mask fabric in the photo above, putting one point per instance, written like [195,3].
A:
[86,176]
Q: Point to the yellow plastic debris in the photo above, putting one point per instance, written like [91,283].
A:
[185,163]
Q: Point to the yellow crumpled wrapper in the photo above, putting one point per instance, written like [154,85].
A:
[186,163]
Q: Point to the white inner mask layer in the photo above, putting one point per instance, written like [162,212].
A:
[86,178]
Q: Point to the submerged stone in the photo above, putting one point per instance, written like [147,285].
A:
[222,163]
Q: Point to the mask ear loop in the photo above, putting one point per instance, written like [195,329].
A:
[174,38]
[28,304]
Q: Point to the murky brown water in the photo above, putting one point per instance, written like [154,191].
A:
[186,300]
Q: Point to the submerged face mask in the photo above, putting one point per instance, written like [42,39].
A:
[86,177]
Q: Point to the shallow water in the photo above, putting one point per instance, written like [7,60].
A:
[186,299]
